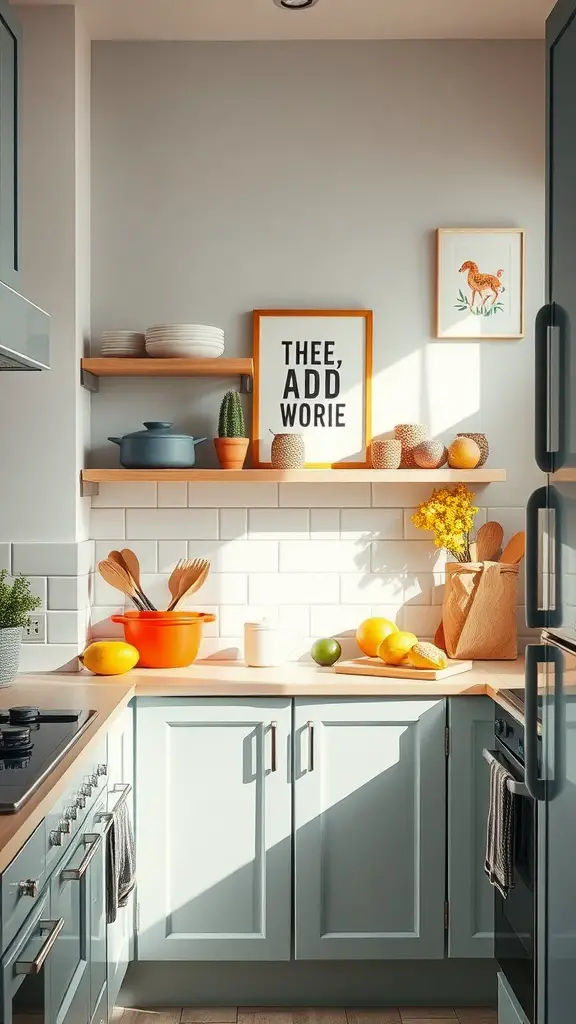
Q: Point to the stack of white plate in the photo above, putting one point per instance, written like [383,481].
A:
[123,344]
[184,341]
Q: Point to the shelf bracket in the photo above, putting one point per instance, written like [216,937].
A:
[245,384]
[89,381]
[88,489]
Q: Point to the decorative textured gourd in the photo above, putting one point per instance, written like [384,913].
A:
[231,420]
[430,455]
[411,435]
[463,453]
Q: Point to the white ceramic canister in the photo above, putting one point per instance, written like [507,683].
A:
[265,644]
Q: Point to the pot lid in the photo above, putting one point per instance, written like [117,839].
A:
[157,428]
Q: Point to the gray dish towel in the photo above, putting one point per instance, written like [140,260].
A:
[120,862]
[499,864]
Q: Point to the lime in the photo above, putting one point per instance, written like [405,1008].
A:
[326,652]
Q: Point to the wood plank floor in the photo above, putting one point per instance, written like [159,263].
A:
[305,1015]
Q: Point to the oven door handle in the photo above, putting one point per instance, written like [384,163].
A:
[512,784]
[536,655]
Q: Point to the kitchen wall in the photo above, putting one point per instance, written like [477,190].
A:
[228,176]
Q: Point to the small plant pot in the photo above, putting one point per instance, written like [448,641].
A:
[231,451]
[10,644]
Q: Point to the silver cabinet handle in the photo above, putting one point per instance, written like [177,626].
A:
[64,827]
[28,887]
[93,841]
[92,780]
[274,744]
[122,788]
[310,727]
[86,789]
[81,801]
[55,837]
[71,813]
[35,966]
[102,769]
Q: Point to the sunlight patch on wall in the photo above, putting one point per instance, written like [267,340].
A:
[453,385]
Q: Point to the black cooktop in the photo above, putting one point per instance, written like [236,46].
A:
[32,741]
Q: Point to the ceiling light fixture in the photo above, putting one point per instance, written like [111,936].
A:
[295,5]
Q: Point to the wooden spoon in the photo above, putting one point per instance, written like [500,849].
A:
[515,549]
[118,578]
[191,581]
[176,575]
[489,541]
[132,565]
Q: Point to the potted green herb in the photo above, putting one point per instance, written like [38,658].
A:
[231,444]
[16,603]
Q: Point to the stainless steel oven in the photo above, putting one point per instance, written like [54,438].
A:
[25,974]
[515,916]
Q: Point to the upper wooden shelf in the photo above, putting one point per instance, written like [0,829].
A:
[567,475]
[149,367]
[311,476]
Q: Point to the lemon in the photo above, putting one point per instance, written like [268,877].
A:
[372,632]
[110,657]
[326,652]
[424,655]
[395,647]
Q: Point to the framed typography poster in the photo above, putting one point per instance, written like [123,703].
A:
[313,376]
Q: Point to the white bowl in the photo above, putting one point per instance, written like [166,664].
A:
[193,350]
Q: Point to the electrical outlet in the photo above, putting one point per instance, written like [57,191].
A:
[35,633]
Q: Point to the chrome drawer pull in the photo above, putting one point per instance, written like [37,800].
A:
[513,786]
[93,841]
[274,742]
[35,966]
[310,727]
[124,789]
[28,887]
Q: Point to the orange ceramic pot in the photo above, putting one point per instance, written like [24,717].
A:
[164,639]
[231,451]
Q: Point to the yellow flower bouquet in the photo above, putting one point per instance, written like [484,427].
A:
[449,515]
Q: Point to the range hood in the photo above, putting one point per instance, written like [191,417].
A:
[24,333]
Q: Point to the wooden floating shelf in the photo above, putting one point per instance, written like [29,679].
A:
[564,476]
[149,367]
[299,476]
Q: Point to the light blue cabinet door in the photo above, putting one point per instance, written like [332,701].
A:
[10,54]
[120,773]
[471,927]
[213,819]
[69,982]
[370,802]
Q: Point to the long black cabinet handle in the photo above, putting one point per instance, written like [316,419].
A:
[544,457]
[536,655]
[537,617]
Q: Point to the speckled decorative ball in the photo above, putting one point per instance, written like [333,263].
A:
[430,455]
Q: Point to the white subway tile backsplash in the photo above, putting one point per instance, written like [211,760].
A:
[101,625]
[406,556]
[278,523]
[292,618]
[66,593]
[383,611]
[146,551]
[233,495]
[170,552]
[107,523]
[325,523]
[237,555]
[392,590]
[324,556]
[292,588]
[172,494]
[224,588]
[371,524]
[58,559]
[511,519]
[422,621]
[337,620]
[400,495]
[105,595]
[171,523]
[38,587]
[324,495]
[66,627]
[222,649]
[210,629]
[49,658]
[126,495]
[233,523]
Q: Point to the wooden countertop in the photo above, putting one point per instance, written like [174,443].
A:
[110,695]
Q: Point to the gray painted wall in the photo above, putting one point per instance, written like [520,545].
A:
[233,175]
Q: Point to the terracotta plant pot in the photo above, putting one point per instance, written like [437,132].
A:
[231,451]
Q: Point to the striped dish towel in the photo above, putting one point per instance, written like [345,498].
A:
[499,864]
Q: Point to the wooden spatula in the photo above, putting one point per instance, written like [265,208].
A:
[117,577]
[176,575]
[132,565]
[489,541]
[191,581]
[515,549]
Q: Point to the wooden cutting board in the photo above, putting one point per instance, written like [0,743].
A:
[375,667]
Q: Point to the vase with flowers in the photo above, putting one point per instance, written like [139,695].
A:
[449,515]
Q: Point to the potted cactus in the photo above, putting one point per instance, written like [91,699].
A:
[16,603]
[231,444]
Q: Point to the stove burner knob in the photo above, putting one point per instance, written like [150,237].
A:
[71,813]
[24,714]
[55,838]
[93,780]
[64,827]
[499,726]
[81,801]
[86,789]
[28,887]
[102,769]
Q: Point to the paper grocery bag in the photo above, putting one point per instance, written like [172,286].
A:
[479,610]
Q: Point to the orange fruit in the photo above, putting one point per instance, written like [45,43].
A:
[464,453]
[396,646]
[372,632]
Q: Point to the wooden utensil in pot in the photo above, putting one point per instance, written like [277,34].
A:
[176,575]
[515,549]
[118,578]
[118,559]
[132,565]
[191,581]
[488,541]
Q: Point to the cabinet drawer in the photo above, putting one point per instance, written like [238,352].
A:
[28,866]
